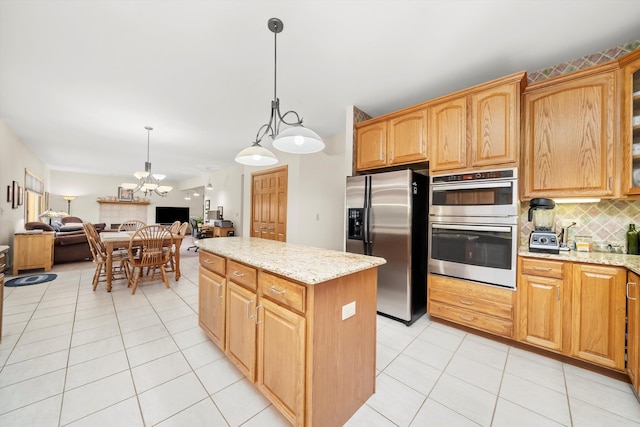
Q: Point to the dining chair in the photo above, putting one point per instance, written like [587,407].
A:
[147,250]
[99,254]
[131,225]
[182,231]
[175,227]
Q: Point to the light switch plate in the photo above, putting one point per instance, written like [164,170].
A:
[348,310]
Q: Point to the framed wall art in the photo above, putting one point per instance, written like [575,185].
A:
[14,192]
[9,193]
[125,195]
[20,195]
[207,204]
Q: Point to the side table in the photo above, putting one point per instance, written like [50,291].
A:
[32,250]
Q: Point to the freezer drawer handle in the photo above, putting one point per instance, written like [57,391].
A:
[276,291]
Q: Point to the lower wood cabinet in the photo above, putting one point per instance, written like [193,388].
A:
[241,329]
[574,309]
[598,314]
[211,300]
[212,297]
[482,307]
[281,358]
[290,339]
[542,296]
[633,330]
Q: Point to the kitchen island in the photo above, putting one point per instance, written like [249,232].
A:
[298,321]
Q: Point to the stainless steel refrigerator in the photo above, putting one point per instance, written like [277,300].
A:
[387,217]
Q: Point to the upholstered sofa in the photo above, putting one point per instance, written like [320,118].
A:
[70,243]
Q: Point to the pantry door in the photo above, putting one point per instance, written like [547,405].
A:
[269,204]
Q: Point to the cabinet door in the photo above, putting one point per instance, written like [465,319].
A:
[211,305]
[281,359]
[408,139]
[569,138]
[633,331]
[241,329]
[540,311]
[495,126]
[630,119]
[448,135]
[598,314]
[371,146]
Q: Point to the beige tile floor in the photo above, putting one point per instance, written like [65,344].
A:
[71,356]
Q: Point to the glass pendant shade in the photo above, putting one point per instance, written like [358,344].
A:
[164,188]
[159,176]
[298,140]
[141,174]
[256,155]
[128,185]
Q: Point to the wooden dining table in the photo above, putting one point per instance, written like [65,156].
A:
[120,239]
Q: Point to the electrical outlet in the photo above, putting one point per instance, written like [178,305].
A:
[568,222]
[348,310]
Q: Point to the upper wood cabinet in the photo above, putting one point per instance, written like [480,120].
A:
[630,122]
[448,134]
[396,140]
[569,135]
[477,127]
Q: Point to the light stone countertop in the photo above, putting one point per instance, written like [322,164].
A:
[631,262]
[305,264]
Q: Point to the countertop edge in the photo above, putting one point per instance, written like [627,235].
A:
[630,262]
[343,263]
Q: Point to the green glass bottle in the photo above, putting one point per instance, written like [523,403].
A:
[632,240]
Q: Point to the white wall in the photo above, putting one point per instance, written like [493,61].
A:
[14,158]
[227,192]
[87,188]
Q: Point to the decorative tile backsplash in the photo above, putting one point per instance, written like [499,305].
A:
[584,62]
[607,220]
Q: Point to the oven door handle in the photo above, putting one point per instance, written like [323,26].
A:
[471,227]
[470,186]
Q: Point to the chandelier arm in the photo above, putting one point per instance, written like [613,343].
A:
[282,118]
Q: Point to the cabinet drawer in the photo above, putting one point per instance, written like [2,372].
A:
[470,289]
[540,267]
[242,274]
[472,303]
[283,291]
[212,262]
[472,319]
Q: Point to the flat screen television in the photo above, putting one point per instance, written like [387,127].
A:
[168,215]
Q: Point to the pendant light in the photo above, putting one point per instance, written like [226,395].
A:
[148,182]
[297,139]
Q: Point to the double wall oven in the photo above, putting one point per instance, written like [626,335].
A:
[473,226]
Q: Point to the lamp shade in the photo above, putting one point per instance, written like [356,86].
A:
[298,140]
[256,155]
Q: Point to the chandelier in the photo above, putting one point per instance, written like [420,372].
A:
[148,182]
[296,139]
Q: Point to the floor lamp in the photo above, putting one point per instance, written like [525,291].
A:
[69,199]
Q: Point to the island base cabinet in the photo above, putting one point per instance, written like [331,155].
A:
[241,329]
[281,362]
[211,303]
[598,315]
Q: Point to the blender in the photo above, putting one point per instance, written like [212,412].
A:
[543,238]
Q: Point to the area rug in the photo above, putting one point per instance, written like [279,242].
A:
[32,279]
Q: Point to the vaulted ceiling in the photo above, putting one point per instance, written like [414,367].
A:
[79,80]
